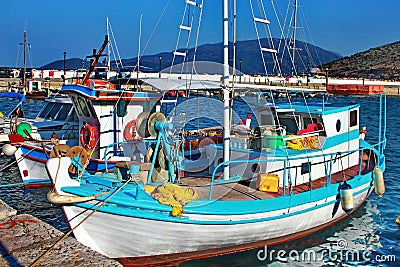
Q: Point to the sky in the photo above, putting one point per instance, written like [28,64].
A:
[78,26]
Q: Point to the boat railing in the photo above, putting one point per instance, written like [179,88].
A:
[331,158]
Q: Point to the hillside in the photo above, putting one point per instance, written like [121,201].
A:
[382,63]
[307,56]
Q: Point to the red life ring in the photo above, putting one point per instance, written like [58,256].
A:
[88,136]
[130,130]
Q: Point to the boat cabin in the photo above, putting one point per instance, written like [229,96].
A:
[108,119]
[293,139]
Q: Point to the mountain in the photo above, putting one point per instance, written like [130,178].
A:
[380,63]
[70,64]
[307,56]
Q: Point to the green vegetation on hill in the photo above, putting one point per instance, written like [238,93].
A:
[381,63]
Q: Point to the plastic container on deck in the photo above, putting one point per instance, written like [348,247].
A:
[268,182]
[273,141]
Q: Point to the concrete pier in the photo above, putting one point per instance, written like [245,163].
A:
[24,238]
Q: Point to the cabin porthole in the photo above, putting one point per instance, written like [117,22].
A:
[338,125]
[255,168]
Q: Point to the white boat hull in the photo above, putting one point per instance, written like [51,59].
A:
[119,236]
[31,171]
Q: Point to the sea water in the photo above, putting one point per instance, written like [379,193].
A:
[369,237]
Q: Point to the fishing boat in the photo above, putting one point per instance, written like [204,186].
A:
[105,115]
[57,116]
[304,167]
[14,113]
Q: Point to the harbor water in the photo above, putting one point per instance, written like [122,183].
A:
[369,237]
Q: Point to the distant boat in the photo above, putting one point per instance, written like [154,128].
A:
[355,89]
[56,120]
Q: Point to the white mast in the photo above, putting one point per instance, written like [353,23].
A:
[294,36]
[108,47]
[24,77]
[225,82]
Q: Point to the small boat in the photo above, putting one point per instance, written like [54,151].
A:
[14,113]
[56,117]
[37,94]
[354,89]
[55,123]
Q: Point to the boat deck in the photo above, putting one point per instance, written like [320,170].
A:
[242,191]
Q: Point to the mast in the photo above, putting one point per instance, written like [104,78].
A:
[225,89]
[24,77]
[96,57]
[234,62]
[108,47]
[294,35]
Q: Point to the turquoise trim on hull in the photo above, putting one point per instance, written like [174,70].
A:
[36,182]
[158,215]
[143,206]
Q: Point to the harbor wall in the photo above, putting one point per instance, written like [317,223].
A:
[54,81]
[24,239]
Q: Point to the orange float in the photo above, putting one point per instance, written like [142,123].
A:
[130,130]
[88,136]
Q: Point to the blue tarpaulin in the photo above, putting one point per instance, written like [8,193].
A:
[21,97]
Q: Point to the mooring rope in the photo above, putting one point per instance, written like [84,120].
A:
[8,166]
[81,222]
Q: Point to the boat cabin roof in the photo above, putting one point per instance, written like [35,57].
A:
[315,108]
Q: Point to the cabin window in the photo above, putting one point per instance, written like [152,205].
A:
[338,125]
[91,109]
[83,107]
[73,116]
[353,118]
[290,124]
[63,113]
[77,107]
[55,110]
[305,167]
[45,110]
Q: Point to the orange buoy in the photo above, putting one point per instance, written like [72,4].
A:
[130,130]
[88,136]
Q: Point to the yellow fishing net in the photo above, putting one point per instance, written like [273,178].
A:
[175,196]
[309,142]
